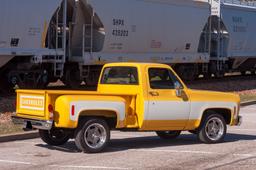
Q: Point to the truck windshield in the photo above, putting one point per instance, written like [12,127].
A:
[120,75]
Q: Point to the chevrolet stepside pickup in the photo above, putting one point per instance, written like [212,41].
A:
[130,96]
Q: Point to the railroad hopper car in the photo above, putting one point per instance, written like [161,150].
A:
[239,20]
[41,41]
[231,38]
[26,54]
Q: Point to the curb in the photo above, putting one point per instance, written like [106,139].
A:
[249,103]
[18,136]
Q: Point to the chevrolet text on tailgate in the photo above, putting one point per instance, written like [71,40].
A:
[135,96]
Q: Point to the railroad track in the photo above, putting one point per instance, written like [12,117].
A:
[242,84]
[225,78]
[227,83]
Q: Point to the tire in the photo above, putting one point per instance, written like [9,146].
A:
[219,74]
[54,137]
[78,133]
[187,72]
[72,78]
[168,134]
[92,135]
[207,75]
[5,87]
[243,73]
[213,129]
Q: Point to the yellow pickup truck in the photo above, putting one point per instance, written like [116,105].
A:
[130,96]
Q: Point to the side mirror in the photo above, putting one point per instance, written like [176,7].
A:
[178,89]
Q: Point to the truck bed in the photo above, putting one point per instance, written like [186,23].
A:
[35,103]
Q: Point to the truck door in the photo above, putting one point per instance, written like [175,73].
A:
[166,111]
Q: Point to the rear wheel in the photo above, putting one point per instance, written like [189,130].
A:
[243,73]
[168,134]
[219,74]
[29,79]
[5,87]
[72,77]
[92,136]
[54,137]
[213,129]
[207,75]
[187,72]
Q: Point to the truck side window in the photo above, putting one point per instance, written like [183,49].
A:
[161,78]
[120,75]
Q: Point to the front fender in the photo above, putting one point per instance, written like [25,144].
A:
[199,108]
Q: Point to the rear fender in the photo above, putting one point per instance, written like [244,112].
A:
[98,108]
[69,108]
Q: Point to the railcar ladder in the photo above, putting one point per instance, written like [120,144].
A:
[59,60]
[58,66]
[219,48]
[88,35]
[216,11]
[87,44]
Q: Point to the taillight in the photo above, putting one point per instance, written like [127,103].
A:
[51,110]
[73,110]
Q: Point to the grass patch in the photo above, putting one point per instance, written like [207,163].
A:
[9,127]
[248,97]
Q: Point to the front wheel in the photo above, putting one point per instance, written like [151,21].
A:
[213,129]
[92,136]
[54,137]
[168,134]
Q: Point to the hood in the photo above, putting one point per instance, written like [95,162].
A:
[203,95]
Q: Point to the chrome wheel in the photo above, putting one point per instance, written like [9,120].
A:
[95,136]
[214,128]
[92,135]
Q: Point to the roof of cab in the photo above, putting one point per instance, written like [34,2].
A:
[135,64]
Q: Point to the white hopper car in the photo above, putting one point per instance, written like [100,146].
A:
[41,41]
[24,57]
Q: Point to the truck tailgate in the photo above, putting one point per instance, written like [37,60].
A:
[31,103]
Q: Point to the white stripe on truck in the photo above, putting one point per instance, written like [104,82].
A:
[79,106]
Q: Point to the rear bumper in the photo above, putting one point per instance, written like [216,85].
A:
[37,124]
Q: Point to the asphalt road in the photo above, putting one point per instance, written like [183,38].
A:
[130,150]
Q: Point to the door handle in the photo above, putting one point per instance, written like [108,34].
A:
[154,93]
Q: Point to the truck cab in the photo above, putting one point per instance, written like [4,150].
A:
[130,96]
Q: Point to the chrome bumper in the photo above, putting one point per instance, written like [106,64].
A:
[37,124]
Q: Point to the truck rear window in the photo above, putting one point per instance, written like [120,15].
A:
[120,75]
